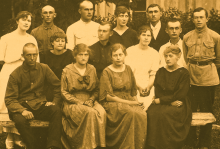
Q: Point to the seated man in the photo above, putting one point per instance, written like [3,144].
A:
[25,99]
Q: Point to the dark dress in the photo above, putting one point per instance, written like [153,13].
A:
[128,38]
[126,124]
[168,125]
[56,63]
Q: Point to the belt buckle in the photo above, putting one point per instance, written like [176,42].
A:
[197,63]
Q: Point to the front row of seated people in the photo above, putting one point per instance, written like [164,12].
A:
[105,113]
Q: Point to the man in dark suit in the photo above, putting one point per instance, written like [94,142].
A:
[160,37]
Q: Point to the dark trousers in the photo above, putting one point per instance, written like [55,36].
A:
[201,97]
[46,113]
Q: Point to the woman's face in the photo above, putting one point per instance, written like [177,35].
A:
[171,59]
[118,57]
[59,44]
[122,19]
[82,57]
[24,23]
[145,38]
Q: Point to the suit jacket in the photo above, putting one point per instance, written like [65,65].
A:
[162,38]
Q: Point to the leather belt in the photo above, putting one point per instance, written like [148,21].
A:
[201,63]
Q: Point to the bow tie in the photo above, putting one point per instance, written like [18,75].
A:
[85,79]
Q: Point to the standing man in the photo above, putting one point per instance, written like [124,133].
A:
[100,57]
[201,53]
[25,99]
[160,37]
[43,32]
[85,30]
[173,29]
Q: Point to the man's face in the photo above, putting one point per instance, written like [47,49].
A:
[199,19]
[86,11]
[104,32]
[154,14]
[174,29]
[30,55]
[48,14]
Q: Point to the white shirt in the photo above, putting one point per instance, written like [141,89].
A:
[155,29]
[181,62]
[82,32]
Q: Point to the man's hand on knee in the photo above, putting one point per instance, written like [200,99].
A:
[27,114]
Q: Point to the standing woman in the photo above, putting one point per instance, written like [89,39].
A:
[84,118]
[126,121]
[170,115]
[11,47]
[144,62]
[122,33]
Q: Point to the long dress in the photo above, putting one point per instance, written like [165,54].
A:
[168,126]
[11,48]
[144,63]
[128,38]
[84,126]
[126,124]
[56,63]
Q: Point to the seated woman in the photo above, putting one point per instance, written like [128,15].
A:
[84,118]
[57,59]
[126,121]
[144,62]
[169,117]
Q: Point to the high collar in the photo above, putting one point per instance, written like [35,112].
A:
[47,26]
[107,44]
[202,30]
[157,26]
[26,67]
[73,68]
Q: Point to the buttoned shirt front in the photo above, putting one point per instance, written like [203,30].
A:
[100,56]
[181,62]
[155,29]
[82,32]
[202,46]
[43,34]
[27,86]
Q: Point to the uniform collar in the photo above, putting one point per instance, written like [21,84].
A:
[202,30]
[47,27]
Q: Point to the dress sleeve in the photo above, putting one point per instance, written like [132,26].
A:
[133,84]
[65,90]
[105,85]
[179,94]
[3,46]
[155,65]
[11,96]
[55,82]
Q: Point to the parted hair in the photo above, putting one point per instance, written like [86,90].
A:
[173,49]
[115,47]
[22,14]
[143,29]
[121,9]
[81,48]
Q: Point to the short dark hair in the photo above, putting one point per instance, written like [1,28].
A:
[154,5]
[200,9]
[29,45]
[23,14]
[58,35]
[115,47]
[109,23]
[81,48]
[121,9]
[172,20]
[143,29]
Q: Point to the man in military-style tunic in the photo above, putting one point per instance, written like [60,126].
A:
[201,53]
